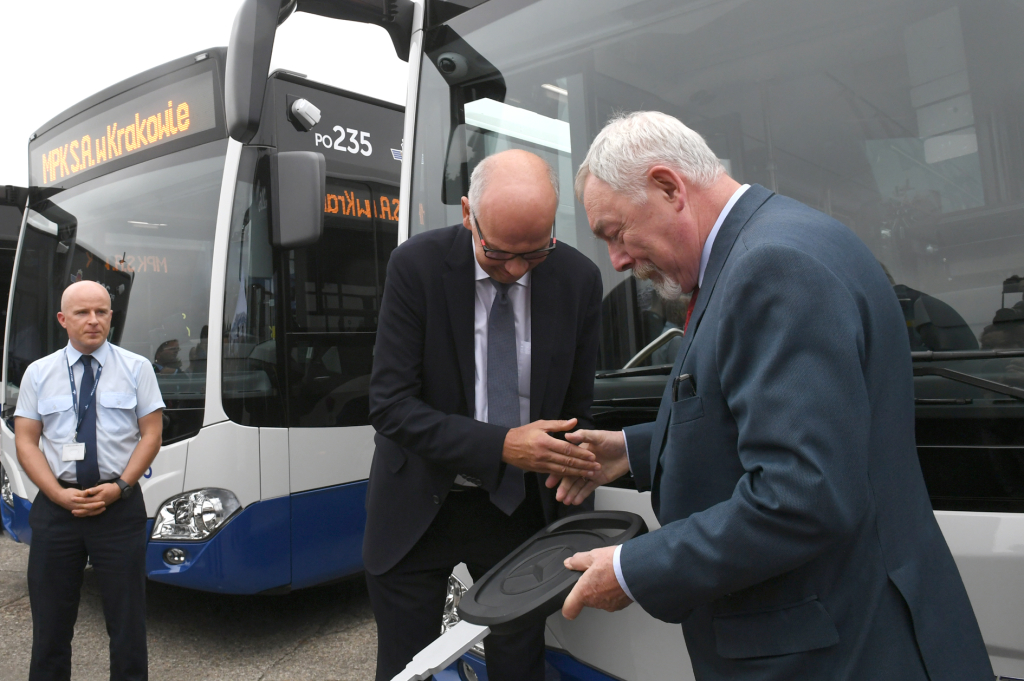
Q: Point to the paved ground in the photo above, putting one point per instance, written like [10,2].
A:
[325,633]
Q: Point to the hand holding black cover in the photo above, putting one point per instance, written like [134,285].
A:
[533,582]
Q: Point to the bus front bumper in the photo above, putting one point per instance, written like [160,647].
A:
[250,554]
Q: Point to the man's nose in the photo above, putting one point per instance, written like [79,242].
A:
[621,260]
[517,267]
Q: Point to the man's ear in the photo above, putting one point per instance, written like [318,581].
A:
[669,184]
[465,214]
[62,320]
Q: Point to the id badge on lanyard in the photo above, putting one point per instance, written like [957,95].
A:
[75,451]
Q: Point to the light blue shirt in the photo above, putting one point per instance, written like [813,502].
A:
[705,255]
[127,390]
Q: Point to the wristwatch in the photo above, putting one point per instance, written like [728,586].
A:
[126,489]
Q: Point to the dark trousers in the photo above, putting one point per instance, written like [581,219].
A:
[408,599]
[115,542]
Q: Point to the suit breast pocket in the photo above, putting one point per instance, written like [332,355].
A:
[686,409]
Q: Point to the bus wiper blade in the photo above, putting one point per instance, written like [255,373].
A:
[948,355]
[960,377]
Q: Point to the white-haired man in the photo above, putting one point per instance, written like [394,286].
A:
[797,537]
[88,424]
[485,329]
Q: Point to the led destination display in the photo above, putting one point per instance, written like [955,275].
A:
[171,112]
[358,203]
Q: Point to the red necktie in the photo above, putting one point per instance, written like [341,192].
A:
[689,308]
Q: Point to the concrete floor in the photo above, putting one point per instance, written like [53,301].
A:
[324,633]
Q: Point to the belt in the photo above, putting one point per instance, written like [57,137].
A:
[74,485]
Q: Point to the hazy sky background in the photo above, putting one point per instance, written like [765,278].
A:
[58,52]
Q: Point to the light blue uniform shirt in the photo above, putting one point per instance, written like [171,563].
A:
[127,390]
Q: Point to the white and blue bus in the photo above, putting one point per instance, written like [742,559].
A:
[904,119]
[262,343]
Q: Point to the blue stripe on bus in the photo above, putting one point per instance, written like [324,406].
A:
[327,533]
[296,541]
[15,520]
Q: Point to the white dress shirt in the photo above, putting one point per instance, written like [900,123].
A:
[126,391]
[705,255]
[519,295]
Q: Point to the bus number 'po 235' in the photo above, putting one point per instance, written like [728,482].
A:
[358,141]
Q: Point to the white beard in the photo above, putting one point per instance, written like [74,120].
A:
[667,287]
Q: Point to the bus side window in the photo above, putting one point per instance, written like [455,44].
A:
[334,296]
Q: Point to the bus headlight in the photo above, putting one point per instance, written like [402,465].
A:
[5,488]
[195,515]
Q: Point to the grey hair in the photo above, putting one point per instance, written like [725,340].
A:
[630,144]
[481,174]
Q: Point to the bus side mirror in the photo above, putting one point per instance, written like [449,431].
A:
[298,189]
[248,65]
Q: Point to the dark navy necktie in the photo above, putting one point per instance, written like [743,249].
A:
[503,390]
[88,469]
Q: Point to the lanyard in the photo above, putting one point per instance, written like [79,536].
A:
[74,392]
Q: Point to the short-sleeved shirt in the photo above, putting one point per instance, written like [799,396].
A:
[127,390]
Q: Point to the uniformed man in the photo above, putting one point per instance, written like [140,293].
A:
[88,424]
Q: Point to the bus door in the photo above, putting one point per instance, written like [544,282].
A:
[332,292]
[300,326]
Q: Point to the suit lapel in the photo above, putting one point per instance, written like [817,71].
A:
[735,221]
[460,292]
[543,325]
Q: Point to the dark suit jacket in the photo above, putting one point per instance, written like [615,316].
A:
[422,387]
[798,540]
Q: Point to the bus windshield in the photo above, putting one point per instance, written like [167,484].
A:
[902,119]
[146,234]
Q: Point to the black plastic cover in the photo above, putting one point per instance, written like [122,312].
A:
[532,582]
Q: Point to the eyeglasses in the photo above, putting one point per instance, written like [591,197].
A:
[495,254]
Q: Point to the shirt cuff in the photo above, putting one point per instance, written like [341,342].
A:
[618,572]
[625,444]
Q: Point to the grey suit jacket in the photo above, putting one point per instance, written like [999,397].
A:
[798,540]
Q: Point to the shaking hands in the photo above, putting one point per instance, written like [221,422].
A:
[532,448]
[608,449]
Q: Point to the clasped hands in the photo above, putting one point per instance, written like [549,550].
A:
[88,502]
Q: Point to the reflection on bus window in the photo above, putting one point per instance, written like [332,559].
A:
[336,285]
[902,119]
[146,234]
[303,358]
[252,391]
